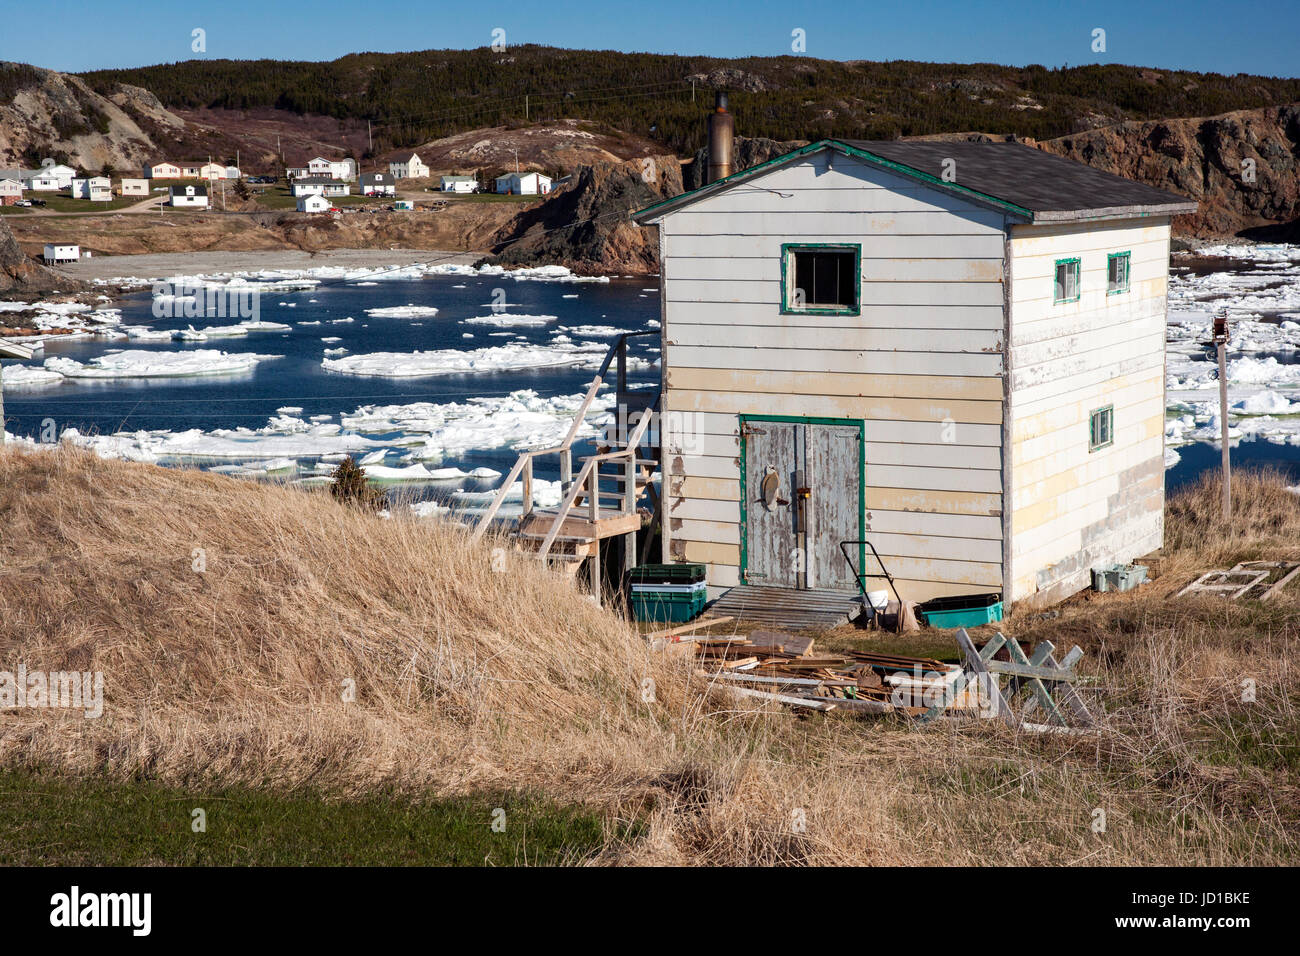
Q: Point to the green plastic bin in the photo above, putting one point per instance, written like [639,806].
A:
[673,607]
[965,611]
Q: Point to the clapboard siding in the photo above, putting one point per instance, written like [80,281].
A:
[921,366]
[875,291]
[1072,509]
[812,342]
[728,355]
[903,317]
[983,245]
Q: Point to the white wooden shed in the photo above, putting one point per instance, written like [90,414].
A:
[954,350]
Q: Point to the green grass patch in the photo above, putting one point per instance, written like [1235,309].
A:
[56,820]
[14,210]
[68,204]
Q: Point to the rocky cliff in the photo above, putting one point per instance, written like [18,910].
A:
[20,275]
[45,113]
[1242,167]
[587,225]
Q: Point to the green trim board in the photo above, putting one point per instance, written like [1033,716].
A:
[1096,419]
[854,247]
[804,420]
[1078,280]
[1128,268]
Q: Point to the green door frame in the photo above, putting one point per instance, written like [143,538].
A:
[862,479]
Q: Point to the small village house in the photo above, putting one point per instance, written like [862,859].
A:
[212,171]
[11,190]
[524,184]
[408,168]
[345,169]
[459,184]
[162,171]
[193,169]
[188,197]
[56,253]
[314,202]
[94,188]
[50,177]
[320,186]
[135,187]
[378,184]
[295,172]
[953,349]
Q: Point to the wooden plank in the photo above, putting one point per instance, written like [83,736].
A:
[841,373]
[696,625]
[953,316]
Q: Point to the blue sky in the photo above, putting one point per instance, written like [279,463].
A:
[1225,36]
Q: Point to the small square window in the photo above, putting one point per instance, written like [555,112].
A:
[1117,264]
[1067,281]
[1101,428]
[821,279]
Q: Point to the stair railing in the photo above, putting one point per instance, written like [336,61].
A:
[524,465]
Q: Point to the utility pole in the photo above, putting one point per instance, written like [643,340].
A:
[369,138]
[1221,340]
[525,106]
[516,162]
[692,92]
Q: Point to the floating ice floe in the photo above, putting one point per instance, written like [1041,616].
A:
[453,361]
[29,376]
[505,320]
[546,494]
[521,419]
[401,312]
[142,364]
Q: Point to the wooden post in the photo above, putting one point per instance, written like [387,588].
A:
[1221,337]
[528,487]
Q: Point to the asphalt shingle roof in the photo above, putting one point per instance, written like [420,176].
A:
[1030,178]
[1041,186]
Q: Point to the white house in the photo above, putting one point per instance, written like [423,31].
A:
[320,186]
[212,171]
[162,171]
[409,168]
[94,188]
[192,197]
[135,187]
[58,252]
[953,350]
[378,184]
[333,168]
[295,172]
[314,203]
[192,169]
[524,184]
[11,190]
[51,177]
[459,184]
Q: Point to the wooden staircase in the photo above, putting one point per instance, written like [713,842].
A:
[601,502]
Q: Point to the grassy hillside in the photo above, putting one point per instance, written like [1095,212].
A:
[414,97]
[227,683]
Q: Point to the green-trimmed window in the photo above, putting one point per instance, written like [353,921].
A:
[821,278]
[1101,428]
[1117,264]
[1066,288]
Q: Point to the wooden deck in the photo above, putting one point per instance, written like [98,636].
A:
[789,607]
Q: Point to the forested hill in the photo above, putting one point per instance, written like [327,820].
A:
[415,97]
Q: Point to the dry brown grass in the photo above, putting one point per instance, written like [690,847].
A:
[469,680]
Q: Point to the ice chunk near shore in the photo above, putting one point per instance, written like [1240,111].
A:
[1266,403]
[454,361]
[142,333]
[137,363]
[29,376]
[408,311]
[416,472]
[546,494]
[521,419]
[507,320]
[254,325]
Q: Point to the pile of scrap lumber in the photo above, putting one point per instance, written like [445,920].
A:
[785,668]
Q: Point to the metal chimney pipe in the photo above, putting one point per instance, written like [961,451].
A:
[722,134]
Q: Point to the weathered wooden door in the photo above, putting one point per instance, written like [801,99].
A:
[770,464]
[833,507]
[802,498]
